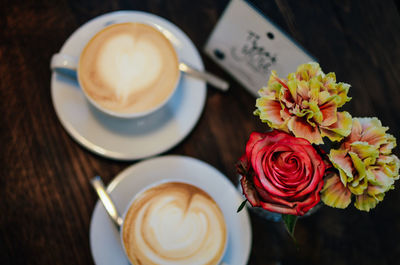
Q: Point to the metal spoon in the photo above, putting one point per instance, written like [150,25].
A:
[106,200]
[206,76]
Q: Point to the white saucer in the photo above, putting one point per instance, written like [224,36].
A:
[104,237]
[135,138]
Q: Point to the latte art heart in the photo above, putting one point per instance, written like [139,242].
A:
[174,223]
[128,64]
[129,68]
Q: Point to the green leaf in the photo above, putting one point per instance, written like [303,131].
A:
[241,206]
[290,223]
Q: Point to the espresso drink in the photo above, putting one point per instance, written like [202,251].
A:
[128,68]
[174,223]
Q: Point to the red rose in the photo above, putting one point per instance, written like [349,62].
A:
[281,173]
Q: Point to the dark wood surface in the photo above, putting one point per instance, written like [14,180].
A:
[46,200]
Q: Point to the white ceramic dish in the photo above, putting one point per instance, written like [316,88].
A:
[137,138]
[105,240]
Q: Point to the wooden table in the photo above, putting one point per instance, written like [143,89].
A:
[46,199]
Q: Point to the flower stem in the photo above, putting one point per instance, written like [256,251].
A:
[290,223]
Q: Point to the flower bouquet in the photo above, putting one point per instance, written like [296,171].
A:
[314,152]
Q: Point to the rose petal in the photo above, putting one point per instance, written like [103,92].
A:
[243,165]
[310,201]
[264,176]
[258,141]
[286,173]
[250,192]
[281,172]
[255,137]
[278,208]
[318,169]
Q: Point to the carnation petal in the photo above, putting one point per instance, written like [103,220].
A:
[364,151]
[317,115]
[270,91]
[343,163]
[342,90]
[323,97]
[395,166]
[358,163]
[381,184]
[334,137]
[374,190]
[292,85]
[359,183]
[273,84]
[308,70]
[355,134]
[270,112]
[391,170]
[300,128]
[303,90]
[387,147]
[329,113]
[384,159]
[285,99]
[285,115]
[341,128]
[373,131]
[315,87]
[334,193]
[365,202]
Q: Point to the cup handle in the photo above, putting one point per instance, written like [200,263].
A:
[61,61]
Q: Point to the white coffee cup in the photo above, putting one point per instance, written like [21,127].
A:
[171,222]
[126,70]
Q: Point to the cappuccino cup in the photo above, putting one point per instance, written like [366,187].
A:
[174,223]
[126,70]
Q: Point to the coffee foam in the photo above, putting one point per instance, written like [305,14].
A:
[174,223]
[129,68]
